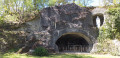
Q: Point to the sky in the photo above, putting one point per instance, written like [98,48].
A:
[96,3]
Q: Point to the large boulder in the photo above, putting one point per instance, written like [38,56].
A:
[55,21]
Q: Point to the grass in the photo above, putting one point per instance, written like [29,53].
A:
[13,55]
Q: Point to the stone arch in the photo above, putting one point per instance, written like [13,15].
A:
[75,31]
[101,17]
[73,41]
[78,34]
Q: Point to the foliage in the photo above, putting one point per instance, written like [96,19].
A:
[111,28]
[110,31]
[14,11]
[111,2]
[41,51]
[10,40]
[13,50]
[107,47]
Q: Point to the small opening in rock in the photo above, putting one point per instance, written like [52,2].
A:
[98,20]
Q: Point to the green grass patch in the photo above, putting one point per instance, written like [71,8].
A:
[13,55]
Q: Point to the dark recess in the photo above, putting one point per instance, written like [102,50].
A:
[71,40]
[101,19]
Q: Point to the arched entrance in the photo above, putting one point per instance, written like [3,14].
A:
[101,18]
[73,42]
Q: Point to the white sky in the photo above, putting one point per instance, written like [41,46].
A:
[96,3]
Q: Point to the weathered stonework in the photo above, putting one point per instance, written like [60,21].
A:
[58,20]
[101,13]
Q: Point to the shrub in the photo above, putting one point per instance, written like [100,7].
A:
[40,51]
[13,50]
[109,47]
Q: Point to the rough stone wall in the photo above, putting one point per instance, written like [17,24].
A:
[58,20]
[100,12]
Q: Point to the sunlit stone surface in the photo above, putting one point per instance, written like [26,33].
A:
[56,21]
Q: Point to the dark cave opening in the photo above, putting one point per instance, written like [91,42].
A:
[72,43]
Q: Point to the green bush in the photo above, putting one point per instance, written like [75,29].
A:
[13,50]
[40,51]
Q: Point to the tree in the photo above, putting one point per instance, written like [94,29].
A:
[109,2]
[86,2]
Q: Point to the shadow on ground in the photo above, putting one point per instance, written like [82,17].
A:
[62,56]
[69,56]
